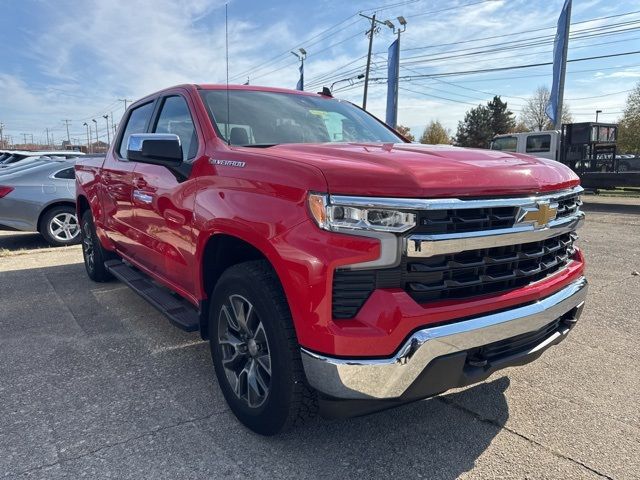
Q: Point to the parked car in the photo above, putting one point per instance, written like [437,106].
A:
[39,196]
[628,163]
[17,155]
[333,266]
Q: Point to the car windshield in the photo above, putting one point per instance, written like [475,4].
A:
[270,118]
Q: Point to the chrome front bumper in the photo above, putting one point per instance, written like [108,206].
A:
[390,378]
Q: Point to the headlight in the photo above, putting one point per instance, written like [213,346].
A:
[338,217]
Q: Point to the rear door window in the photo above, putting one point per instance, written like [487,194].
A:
[67,174]
[136,123]
[538,143]
[506,144]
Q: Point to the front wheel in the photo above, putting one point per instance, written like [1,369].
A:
[93,253]
[255,352]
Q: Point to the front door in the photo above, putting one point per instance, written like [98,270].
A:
[117,184]
[164,202]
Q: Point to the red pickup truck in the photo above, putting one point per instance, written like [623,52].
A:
[333,266]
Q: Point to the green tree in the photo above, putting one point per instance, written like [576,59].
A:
[435,134]
[481,123]
[629,125]
[502,119]
[475,130]
[405,132]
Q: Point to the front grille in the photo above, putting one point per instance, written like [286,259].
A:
[492,270]
[437,222]
[455,276]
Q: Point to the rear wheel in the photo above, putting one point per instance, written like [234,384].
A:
[59,226]
[92,251]
[255,350]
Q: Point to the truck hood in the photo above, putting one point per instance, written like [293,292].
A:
[414,170]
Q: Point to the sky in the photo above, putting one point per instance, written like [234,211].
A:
[76,59]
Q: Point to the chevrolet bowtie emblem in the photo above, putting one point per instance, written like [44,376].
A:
[539,216]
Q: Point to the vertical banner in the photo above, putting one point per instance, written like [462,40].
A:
[300,84]
[393,67]
[560,45]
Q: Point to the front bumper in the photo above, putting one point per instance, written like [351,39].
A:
[451,350]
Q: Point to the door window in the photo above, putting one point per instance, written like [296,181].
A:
[137,123]
[538,143]
[176,119]
[506,144]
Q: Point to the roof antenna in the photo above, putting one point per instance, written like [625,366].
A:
[226,40]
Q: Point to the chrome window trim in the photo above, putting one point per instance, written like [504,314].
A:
[449,203]
[378,378]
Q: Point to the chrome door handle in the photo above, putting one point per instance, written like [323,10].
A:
[142,196]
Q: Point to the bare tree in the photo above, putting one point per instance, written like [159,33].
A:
[533,114]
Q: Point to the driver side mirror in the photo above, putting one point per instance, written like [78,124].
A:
[155,148]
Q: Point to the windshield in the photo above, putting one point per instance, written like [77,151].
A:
[270,118]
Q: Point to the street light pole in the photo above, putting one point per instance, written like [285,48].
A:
[106,117]
[597,112]
[88,137]
[96,125]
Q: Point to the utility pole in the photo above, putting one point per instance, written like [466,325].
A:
[48,144]
[96,125]
[1,136]
[67,122]
[563,69]
[24,138]
[106,117]
[88,137]
[371,32]
[125,102]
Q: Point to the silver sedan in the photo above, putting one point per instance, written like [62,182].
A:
[38,195]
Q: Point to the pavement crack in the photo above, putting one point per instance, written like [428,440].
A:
[89,453]
[497,424]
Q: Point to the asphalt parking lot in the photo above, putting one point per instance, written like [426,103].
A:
[95,383]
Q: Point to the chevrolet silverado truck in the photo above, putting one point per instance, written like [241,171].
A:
[334,267]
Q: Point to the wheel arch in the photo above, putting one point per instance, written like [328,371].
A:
[82,205]
[221,251]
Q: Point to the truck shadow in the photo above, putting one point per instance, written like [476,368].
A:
[436,438]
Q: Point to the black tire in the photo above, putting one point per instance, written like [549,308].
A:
[59,226]
[93,253]
[288,401]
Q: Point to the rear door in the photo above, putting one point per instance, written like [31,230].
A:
[117,184]
[164,200]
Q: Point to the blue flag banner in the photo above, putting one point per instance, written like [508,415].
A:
[559,52]
[300,84]
[392,83]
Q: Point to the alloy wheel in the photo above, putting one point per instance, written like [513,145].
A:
[64,227]
[245,350]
